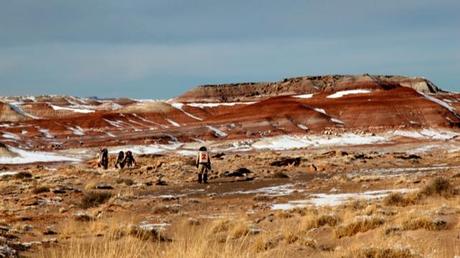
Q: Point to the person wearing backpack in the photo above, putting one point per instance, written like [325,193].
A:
[203,163]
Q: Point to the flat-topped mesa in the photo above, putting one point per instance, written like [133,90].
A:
[252,91]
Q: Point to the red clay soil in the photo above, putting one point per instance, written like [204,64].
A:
[392,103]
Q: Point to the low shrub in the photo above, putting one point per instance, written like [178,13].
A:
[360,224]
[94,199]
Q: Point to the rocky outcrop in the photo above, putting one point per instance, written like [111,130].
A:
[253,91]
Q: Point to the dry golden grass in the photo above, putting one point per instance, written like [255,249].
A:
[94,198]
[424,222]
[315,221]
[40,189]
[438,186]
[380,253]
[118,240]
[359,224]
[399,199]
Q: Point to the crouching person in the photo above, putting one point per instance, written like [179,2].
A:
[129,161]
[203,163]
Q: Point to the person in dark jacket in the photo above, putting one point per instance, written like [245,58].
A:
[129,161]
[120,160]
[203,163]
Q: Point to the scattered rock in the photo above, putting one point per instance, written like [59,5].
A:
[193,222]
[7,252]
[408,157]
[50,231]
[286,162]
[104,186]
[83,216]
[240,172]
[153,232]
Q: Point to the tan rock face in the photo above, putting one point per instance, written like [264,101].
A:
[299,85]
[7,113]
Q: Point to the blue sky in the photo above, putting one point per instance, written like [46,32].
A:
[159,49]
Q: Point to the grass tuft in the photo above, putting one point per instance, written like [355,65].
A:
[94,199]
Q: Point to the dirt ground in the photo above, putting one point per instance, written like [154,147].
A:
[49,206]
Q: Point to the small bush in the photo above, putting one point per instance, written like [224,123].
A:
[398,199]
[360,224]
[40,189]
[126,181]
[322,220]
[23,175]
[380,253]
[438,186]
[94,199]
[280,174]
[424,223]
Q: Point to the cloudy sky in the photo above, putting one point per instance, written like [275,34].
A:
[160,48]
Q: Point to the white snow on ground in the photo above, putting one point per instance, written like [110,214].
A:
[174,123]
[340,94]
[320,110]
[46,133]
[77,130]
[25,157]
[16,107]
[323,199]
[11,136]
[303,127]
[8,173]
[77,109]
[406,170]
[304,96]
[427,134]
[438,101]
[216,131]
[210,105]
[279,190]
[285,142]
[180,106]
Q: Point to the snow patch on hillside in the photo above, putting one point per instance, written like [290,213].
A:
[342,93]
[16,107]
[304,96]
[439,102]
[285,142]
[76,109]
[216,131]
[11,136]
[174,123]
[46,133]
[77,130]
[180,106]
[427,134]
[211,105]
[320,110]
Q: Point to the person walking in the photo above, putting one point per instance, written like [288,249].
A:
[120,160]
[203,163]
